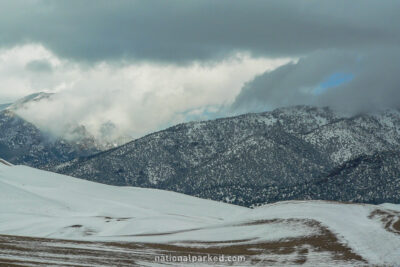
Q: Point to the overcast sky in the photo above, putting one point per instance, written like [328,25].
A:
[145,65]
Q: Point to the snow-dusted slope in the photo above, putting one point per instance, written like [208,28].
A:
[286,154]
[23,143]
[41,204]
[38,203]
[30,142]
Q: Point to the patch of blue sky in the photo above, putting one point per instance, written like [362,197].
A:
[335,80]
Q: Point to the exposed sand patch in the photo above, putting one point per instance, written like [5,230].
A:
[389,218]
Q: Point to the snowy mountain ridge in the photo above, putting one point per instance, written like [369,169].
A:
[29,99]
[22,142]
[298,152]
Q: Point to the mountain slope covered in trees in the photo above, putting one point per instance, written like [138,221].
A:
[290,153]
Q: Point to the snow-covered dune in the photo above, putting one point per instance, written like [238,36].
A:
[44,204]
[41,204]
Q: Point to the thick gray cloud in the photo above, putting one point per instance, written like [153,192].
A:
[374,82]
[293,83]
[181,31]
[39,66]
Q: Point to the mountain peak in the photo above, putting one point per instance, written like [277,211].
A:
[36,97]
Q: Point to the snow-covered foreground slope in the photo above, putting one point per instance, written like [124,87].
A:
[140,223]
[39,203]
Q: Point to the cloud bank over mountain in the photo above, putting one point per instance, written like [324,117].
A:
[121,100]
[144,65]
[349,81]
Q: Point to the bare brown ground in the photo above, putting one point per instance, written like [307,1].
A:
[389,218]
[22,251]
[396,225]
[323,241]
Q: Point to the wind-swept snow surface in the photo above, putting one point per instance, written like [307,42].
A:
[86,219]
[38,203]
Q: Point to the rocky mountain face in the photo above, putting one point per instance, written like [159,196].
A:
[23,143]
[290,153]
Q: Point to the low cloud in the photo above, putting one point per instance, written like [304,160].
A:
[19,74]
[39,66]
[126,99]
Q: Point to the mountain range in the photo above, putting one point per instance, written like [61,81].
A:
[290,153]
[299,152]
[282,164]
